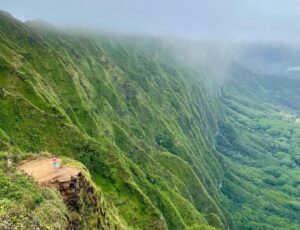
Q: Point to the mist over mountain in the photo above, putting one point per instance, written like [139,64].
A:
[233,20]
[137,128]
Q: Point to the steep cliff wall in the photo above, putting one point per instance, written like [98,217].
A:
[138,119]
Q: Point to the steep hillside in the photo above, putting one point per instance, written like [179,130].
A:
[166,136]
[141,122]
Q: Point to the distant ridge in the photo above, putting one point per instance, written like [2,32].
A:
[7,14]
[40,23]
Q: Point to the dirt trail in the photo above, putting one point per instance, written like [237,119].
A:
[42,170]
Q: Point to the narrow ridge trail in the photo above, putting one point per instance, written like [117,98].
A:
[43,172]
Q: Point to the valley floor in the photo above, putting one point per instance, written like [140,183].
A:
[261,143]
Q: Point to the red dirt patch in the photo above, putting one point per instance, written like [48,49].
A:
[43,172]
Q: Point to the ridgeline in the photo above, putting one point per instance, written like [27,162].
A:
[158,146]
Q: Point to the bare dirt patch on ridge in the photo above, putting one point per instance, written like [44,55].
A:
[43,172]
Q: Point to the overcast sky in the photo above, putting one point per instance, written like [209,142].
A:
[197,19]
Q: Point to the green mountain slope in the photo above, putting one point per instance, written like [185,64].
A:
[166,142]
[139,121]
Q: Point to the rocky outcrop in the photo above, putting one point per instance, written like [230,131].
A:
[87,209]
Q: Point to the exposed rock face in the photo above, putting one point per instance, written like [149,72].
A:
[87,209]
[84,203]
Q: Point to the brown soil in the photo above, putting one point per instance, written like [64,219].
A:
[43,172]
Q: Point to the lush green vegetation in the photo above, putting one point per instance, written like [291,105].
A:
[261,144]
[23,204]
[164,151]
[134,116]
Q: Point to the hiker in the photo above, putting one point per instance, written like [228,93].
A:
[9,162]
[55,163]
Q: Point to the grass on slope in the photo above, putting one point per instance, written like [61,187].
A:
[117,105]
